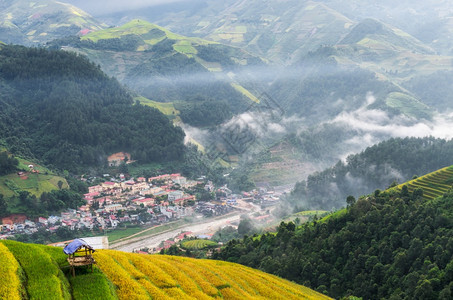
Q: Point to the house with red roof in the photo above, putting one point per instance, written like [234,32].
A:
[14,219]
[84,208]
[145,201]
[183,235]
[160,177]
[110,185]
[168,244]
[116,159]
[95,188]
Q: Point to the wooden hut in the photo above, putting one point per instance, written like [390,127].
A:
[79,254]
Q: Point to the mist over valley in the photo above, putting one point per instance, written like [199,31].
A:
[309,139]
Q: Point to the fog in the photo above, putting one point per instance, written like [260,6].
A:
[363,124]
[366,125]
[374,125]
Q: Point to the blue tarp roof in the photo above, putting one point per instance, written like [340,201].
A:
[75,245]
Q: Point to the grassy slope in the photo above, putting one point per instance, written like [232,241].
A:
[151,34]
[184,45]
[408,105]
[49,20]
[166,108]
[36,184]
[120,275]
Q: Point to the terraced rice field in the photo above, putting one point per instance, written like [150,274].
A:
[198,244]
[433,184]
[38,272]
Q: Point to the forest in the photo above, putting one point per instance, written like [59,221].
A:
[8,163]
[61,109]
[377,167]
[387,245]
[204,113]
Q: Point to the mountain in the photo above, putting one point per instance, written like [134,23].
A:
[365,68]
[277,30]
[428,22]
[391,53]
[42,272]
[362,36]
[324,64]
[390,244]
[373,57]
[63,111]
[274,29]
[371,31]
[31,23]
[168,67]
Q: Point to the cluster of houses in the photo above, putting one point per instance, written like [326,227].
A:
[164,190]
[71,219]
[160,199]
[151,201]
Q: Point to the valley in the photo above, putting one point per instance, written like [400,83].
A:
[310,140]
[153,241]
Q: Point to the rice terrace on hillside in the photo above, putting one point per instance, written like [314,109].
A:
[41,272]
[434,184]
[198,244]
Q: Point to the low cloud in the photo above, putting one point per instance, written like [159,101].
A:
[194,134]
[374,125]
[261,124]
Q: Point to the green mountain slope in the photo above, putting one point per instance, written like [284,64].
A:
[167,67]
[65,112]
[428,22]
[389,52]
[374,168]
[372,57]
[391,244]
[27,22]
[370,31]
[32,182]
[274,29]
[278,30]
[37,272]
[286,31]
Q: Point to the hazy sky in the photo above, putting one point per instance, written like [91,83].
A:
[100,7]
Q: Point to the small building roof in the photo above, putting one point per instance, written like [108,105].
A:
[75,245]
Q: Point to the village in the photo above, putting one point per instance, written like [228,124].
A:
[145,202]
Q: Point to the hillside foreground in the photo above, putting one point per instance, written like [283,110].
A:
[33,271]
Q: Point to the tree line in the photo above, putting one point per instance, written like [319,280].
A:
[8,163]
[391,245]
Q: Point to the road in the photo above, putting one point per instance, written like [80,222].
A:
[153,241]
